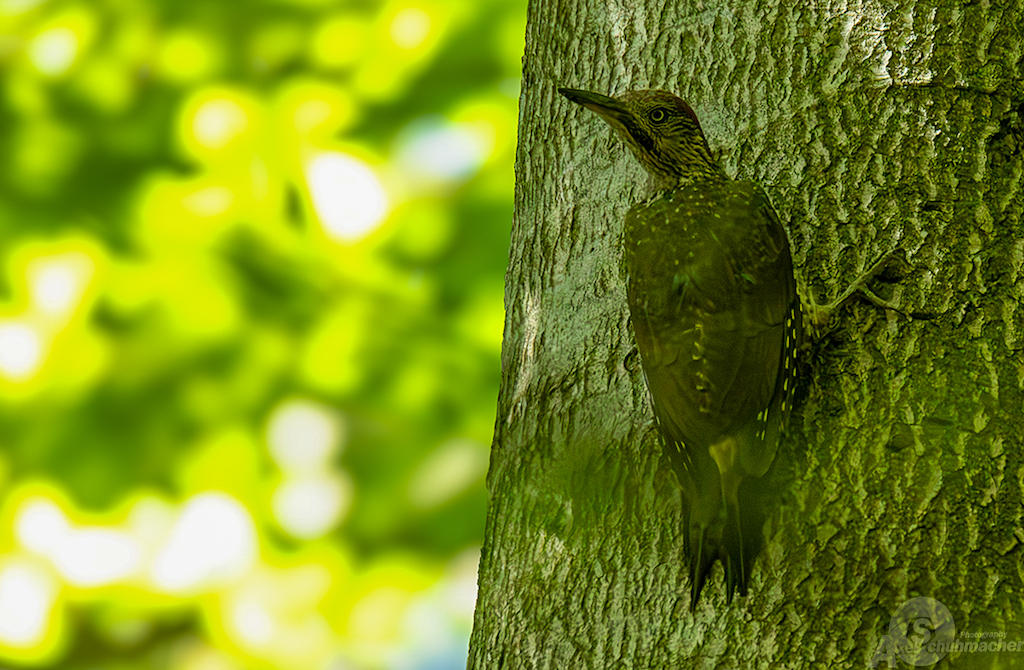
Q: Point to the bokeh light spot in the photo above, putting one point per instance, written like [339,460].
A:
[150,521]
[40,525]
[55,289]
[378,615]
[56,283]
[210,201]
[274,614]
[219,121]
[447,472]
[187,56]
[21,351]
[347,196]
[53,51]
[214,540]
[317,109]
[92,557]
[253,622]
[339,41]
[303,436]
[410,27]
[310,506]
[105,84]
[432,149]
[27,596]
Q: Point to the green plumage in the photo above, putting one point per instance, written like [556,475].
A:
[715,312]
[711,291]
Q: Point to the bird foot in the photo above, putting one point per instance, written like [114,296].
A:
[820,316]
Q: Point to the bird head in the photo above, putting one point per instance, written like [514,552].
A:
[660,128]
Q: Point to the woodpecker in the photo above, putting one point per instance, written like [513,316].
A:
[716,316]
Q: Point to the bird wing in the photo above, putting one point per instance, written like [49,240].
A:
[711,284]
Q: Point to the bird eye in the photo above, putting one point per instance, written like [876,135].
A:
[657,115]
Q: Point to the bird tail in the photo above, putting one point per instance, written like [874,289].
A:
[702,552]
[734,555]
[719,536]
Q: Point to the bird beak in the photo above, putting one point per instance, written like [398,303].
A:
[610,109]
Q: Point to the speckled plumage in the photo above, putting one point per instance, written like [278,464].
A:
[715,312]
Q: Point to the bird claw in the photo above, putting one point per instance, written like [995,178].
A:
[819,316]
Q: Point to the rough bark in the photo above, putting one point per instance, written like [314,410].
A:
[902,473]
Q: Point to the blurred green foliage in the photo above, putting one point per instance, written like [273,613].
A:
[250,323]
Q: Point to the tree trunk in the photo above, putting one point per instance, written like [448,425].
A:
[902,472]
